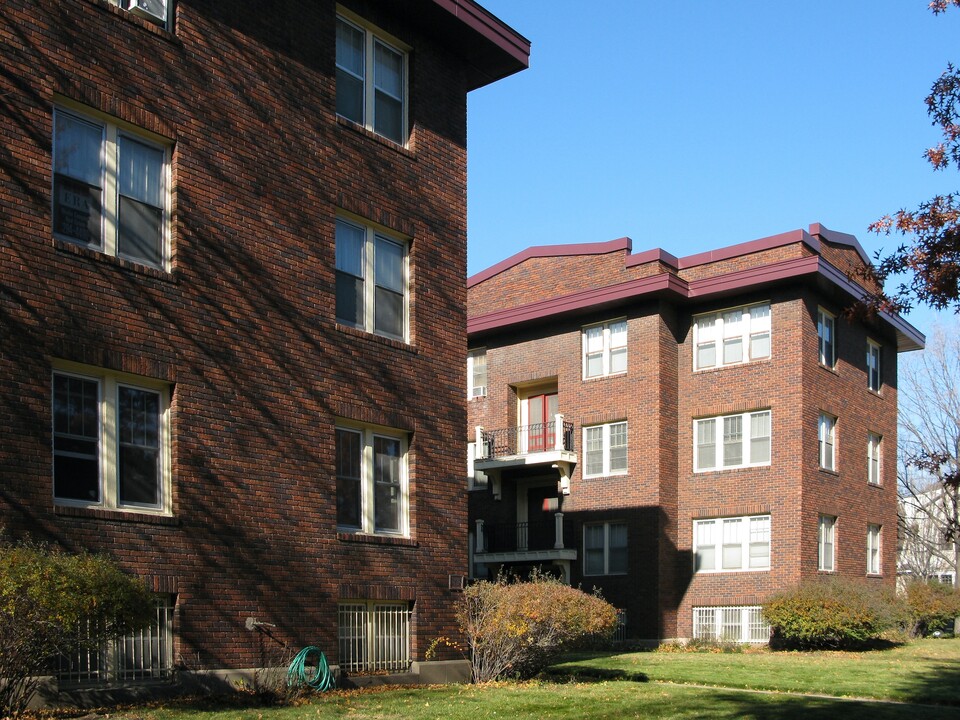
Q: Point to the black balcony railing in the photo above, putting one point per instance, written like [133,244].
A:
[525,439]
[520,537]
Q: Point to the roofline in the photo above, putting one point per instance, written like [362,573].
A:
[540,251]
[481,20]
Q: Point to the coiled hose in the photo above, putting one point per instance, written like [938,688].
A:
[297,674]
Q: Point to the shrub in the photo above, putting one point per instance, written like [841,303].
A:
[933,606]
[46,597]
[833,613]
[514,629]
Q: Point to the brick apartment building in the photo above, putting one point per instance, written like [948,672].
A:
[687,434]
[232,249]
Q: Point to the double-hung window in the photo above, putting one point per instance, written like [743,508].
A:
[371,280]
[873,549]
[731,441]
[737,543]
[110,188]
[605,349]
[605,548]
[371,80]
[605,449]
[731,337]
[372,484]
[873,366]
[827,433]
[110,441]
[477,373]
[826,529]
[826,338]
[874,445]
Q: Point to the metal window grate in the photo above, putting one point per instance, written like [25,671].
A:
[744,624]
[374,636]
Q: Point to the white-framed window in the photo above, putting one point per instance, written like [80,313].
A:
[156,11]
[826,535]
[874,465]
[476,479]
[873,550]
[605,548]
[731,441]
[372,483]
[605,449]
[730,624]
[873,366]
[111,187]
[605,349]
[735,543]
[371,280]
[371,79]
[731,337]
[827,434]
[477,373]
[826,338]
[111,440]
[373,636]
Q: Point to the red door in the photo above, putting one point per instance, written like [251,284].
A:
[541,410]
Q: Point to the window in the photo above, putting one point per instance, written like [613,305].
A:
[605,549]
[110,441]
[731,441]
[873,549]
[605,449]
[372,494]
[873,366]
[738,543]
[371,81]
[826,338]
[143,655]
[731,337]
[825,542]
[154,10]
[730,624]
[110,188]
[873,458]
[477,373]
[476,479]
[371,280]
[605,349]
[373,636]
[827,436]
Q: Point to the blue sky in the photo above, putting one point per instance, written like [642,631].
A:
[695,125]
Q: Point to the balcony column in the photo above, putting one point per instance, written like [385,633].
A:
[558,529]
[480,448]
[558,431]
[481,542]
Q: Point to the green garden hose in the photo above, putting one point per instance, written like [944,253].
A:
[321,681]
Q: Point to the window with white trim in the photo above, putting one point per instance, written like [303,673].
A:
[605,449]
[371,280]
[373,636]
[110,188]
[874,445]
[605,548]
[372,484]
[371,80]
[111,445]
[873,549]
[477,373]
[476,479]
[156,11]
[730,624]
[735,543]
[826,532]
[731,337]
[873,366]
[731,441]
[827,433]
[826,338]
[605,349]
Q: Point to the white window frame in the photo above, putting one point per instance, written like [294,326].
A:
[605,448]
[367,511]
[112,131]
[610,332]
[477,370]
[374,636]
[874,546]
[827,441]
[607,547]
[476,479]
[373,234]
[147,9]
[712,537]
[702,429]
[826,543]
[747,325]
[372,37]
[874,378]
[826,338]
[715,624]
[874,458]
[108,445]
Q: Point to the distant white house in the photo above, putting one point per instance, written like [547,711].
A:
[924,550]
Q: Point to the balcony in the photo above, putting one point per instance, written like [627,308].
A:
[547,443]
[525,542]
